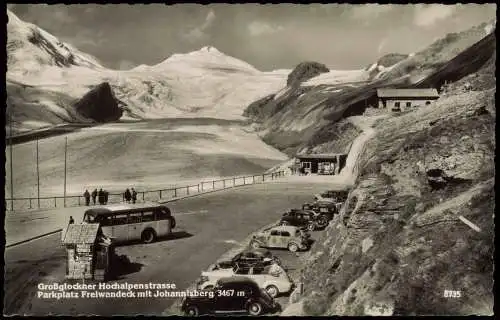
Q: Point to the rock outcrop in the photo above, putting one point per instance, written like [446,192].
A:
[100,104]
[399,242]
[305,71]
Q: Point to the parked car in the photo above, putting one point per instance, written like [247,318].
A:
[273,278]
[323,208]
[332,196]
[233,294]
[289,237]
[303,219]
[248,258]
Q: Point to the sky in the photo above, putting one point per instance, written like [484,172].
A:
[272,36]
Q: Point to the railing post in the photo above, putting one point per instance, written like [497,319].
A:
[244,181]
[224,184]
[199,187]
[79,201]
[187,189]
[234,181]
[263,177]
[55,202]
[213,184]
[30,203]
[175,192]
[253,177]
[160,194]
[143,196]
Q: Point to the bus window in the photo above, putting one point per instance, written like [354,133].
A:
[162,214]
[120,219]
[147,216]
[135,217]
[105,221]
[88,218]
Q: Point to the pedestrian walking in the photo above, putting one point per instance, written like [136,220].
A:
[71,220]
[100,196]
[106,195]
[94,195]
[134,196]
[86,195]
[127,196]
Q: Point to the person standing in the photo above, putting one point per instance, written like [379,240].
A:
[134,195]
[100,195]
[127,196]
[86,195]
[94,195]
[71,220]
[106,194]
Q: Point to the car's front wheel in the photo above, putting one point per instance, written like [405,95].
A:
[293,247]
[272,290]
[192,311]
[254,308]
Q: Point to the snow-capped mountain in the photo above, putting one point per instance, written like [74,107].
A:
[30,47]
[46,76]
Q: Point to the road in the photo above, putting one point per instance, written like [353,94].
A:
[207,226]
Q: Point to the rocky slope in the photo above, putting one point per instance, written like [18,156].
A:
[291,118]
[420,218]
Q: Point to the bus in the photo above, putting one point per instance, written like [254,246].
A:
[129,222]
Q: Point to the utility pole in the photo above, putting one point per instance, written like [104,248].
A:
[37,175]
[65,166]
[11,167]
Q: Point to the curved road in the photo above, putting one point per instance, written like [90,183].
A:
[207,226]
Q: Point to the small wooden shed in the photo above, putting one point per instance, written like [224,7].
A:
[89,252]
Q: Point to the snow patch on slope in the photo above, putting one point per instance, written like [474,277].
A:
[337,77]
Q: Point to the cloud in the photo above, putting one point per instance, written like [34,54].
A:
[428,15]
[199,32]
[381,45]
[368,12]
[126,65]
[257,28]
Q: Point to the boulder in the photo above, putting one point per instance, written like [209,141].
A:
[100,104]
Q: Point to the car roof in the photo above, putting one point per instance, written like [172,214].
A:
[237,280]
[115,208]
[285,228]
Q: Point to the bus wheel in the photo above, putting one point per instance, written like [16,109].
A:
[148,236]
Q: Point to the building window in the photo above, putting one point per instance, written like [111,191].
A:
[408,104]
[397,106]
[427,103]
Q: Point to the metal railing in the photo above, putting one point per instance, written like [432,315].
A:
[147,195]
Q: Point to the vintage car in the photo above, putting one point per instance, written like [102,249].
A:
[229,295]
[287,237]
[273,278]
[303,219]
[325,209]
[248,258]
[332,196]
